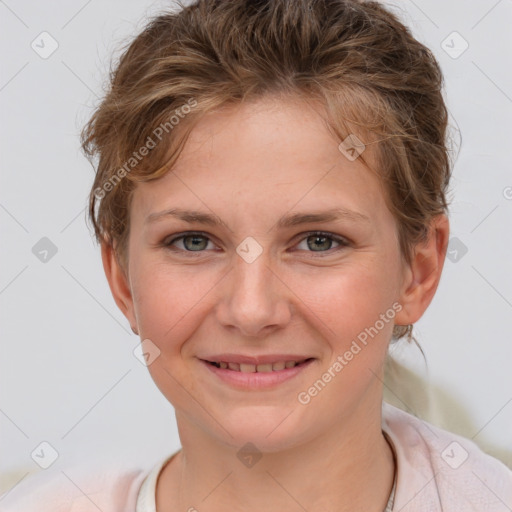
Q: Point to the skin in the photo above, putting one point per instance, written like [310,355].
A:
[250,165]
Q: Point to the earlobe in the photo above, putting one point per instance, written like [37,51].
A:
[424,273]
[118,283]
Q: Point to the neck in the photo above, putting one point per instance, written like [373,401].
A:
[349,468]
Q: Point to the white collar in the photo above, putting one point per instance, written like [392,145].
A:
[146,499]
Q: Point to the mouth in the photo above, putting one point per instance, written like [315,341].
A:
[256,374]
[258,368]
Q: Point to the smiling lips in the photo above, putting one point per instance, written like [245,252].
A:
[257,368]
[256,364]
[253,373]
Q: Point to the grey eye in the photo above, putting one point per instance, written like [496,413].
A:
[319,242]
[194,242]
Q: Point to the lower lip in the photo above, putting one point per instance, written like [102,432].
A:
[256,380]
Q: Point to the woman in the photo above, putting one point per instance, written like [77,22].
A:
[270,204]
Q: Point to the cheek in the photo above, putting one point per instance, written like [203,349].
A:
[168,301]
[348,299]
[170,307]
[353,311]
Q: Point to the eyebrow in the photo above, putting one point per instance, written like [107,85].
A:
[289,220]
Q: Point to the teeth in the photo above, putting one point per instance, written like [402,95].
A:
[278,366]
[264,367]
[260,368]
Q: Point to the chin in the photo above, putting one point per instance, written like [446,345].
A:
[268,428]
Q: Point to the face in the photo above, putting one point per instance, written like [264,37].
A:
[265,245]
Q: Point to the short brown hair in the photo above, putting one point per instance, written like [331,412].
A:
[354,57]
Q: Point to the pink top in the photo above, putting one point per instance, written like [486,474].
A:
[437,472]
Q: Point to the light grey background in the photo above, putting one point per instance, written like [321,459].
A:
[67,369]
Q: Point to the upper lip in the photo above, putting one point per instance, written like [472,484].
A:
[256,360]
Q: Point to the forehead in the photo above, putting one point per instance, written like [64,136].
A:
[285,127]
[277,152]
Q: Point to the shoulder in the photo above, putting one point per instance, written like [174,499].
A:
[439,470]
[76,489]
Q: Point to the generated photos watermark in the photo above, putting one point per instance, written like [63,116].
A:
[304,397]
[151,142]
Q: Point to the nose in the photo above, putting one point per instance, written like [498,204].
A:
[254,300]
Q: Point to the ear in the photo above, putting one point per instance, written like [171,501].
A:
[422,276]
[119,283]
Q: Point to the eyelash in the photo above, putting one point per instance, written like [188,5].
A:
[343,242]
